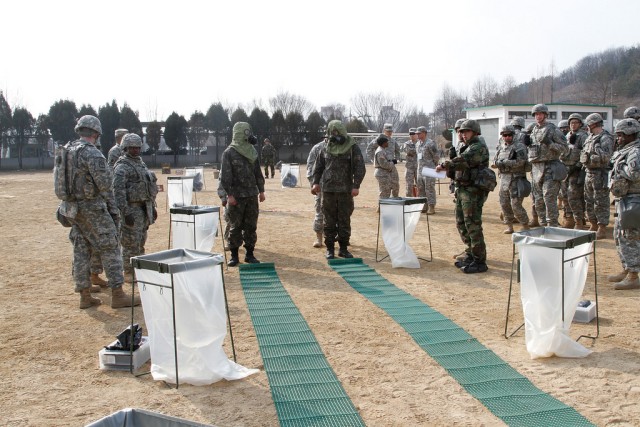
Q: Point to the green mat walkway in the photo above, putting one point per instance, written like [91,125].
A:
[506,393]
[305,390]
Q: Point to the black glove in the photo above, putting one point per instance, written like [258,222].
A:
[573,138]
[395,161]
[452,152]
[155,214]
[130,220]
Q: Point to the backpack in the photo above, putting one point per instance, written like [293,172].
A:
[486,179]
[63,173]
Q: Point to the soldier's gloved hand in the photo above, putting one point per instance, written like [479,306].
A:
[155,214]
[395,161]
[573,138]
[130,220]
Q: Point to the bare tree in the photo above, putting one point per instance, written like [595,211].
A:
[376,109]
[449,107]
[286,103]
[484,91]
[507,89]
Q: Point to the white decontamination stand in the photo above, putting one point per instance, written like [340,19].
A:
[197,172]
[194,227]
[186,314]
[398,218]
[179,191]
[552,271]
[290,175]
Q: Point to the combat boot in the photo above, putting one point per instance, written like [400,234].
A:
[602,232]
[250,258]
[234,258]
[629,282]
[461,263]
[98,281]
[475,267]
[86,300]
[120,299]
[331,251]
[579,224]
[344,252]
[431,210]
[594,225]
[617,277]
[509,229]
[534,222]
[318,242]
[569,222]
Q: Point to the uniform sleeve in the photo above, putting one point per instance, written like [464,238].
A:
[257,172]
[558,141]
[318,167]
[102,177]
[120,187]
[380,160]
[371,149]
[359,170]
[226,173]
[397,151]
[605,149]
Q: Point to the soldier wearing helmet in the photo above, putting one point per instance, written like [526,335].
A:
[135,190]
[625,187]
[116,151]
[510,160]
[411,166]
[464,169]
[563,125]
[547,171]
[95,225]
[268,156]
[574,205]
[632,113]
[595,157]
[518,124]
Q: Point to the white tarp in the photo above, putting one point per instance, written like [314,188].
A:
[194,227]
[179,191]
[290,175]
[398,222]
[194,280]
[540,252]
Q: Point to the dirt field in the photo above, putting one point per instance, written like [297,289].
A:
[49,347]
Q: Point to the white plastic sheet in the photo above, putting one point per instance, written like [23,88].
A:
[290,175]
[194,228]
[430,172]
[398,222]
[201,323]
[179,191]
[197,172]
[546,334]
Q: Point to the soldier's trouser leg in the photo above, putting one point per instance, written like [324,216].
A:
[505,200]
[596,196]
[628,246]
[575,198]
[266,171]
[422,192]
[469,203]
[227,227]
[410,180]
[318,217]
[96,263]
[243,222]
[384,186]
[337,209]
[273,170]
[133,238]
[516,204]
[430,190]
[395,183]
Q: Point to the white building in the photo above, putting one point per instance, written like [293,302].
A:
[493,117]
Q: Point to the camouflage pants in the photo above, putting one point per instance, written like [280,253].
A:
[469,202]
[243,222]
[133,238]
[596,196]
[385,184]
[628,246]
[337,209]
[545,194]
[226,224]
[575,198]
[269,164]
[395,182]
[410,179]
[427,188]
[317,207]
[96,263]
[93,231]
[510,203]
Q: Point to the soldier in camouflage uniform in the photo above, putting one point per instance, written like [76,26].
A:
[411,165]
[135,191]
[223,201]
[429,157]
[383,168]
[338,173]
[632,113]
[268,157]
[595,157]
[116,151]
[317,219]
[510,160]
[242,180]
[547,145]
[563,126]
[625,183]
[464,169]
[518,124]
[574,205]
[95,225]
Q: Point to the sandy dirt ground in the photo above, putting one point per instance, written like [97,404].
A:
[49,347]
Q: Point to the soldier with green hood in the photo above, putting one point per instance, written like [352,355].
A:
[242,180]
[338,172]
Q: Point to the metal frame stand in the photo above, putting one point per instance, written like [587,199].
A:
[414,200]
[508,335]
[219,229]
[193,193]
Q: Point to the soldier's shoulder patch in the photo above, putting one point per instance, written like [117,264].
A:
[99,163]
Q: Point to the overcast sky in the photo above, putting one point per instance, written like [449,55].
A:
[163,56]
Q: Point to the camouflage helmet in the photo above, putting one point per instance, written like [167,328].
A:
[540,108]
[576,116]
[507,129]
[593,118]
[632,113]
[459,123]
[89,122]
[628,126]
[517,121]
[120,132]
[471,125]
[563,124]
[529,128]
[131,140]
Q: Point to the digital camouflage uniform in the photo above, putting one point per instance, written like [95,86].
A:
[510,160]
[383,169]
[469,198]
[242,178]
[595,156]
[411,166]
[135,191]
[268,156]
[427,152]
[574,206]
[393,153]
[547,145]
[114,154]
[338,171]
[317,205]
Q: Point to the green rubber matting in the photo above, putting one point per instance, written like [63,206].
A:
[506,393]
[305,390]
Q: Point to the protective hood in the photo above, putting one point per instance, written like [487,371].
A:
[240,141]
[335,148]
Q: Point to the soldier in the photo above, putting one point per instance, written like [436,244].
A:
[411,165]
[547,145]
[632,113]
[625,184]
[563,125]
[574,204]
[242,181]
[95,226]
[116,150]
[510,160]
[383,168]
[268,158]
[135,191]
[518,124]
[317,219]
[470,199]
[338,173]
[427,157]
